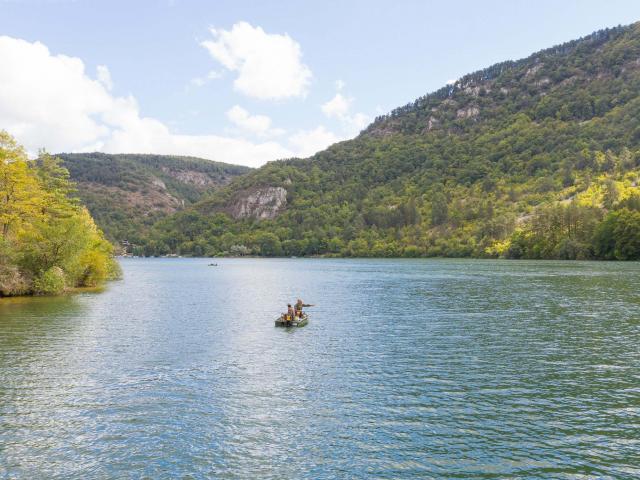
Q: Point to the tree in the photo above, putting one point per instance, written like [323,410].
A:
[269,244]
[611,194]
[627,235]
[20,198]
[439,208]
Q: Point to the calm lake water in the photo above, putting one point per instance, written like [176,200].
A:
[407,369]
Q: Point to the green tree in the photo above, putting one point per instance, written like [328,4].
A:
[48,242]
[439,208]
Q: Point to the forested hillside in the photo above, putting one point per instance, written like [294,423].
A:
[128,193]
[537,158]
[48,241]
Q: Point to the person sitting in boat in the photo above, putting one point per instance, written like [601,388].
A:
[299,305]
[290,313]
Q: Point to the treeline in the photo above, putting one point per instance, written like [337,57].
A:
[48,241]
[586,209]
[578,233]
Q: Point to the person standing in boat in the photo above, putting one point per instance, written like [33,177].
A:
[299,305]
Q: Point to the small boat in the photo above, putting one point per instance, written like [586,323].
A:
[296,322]
[213,264]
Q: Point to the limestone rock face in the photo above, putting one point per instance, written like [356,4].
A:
[542,82]
[199,179]
[433,122]
[474,90]
[468,112]
[156,182]
[533,70]
[261,203]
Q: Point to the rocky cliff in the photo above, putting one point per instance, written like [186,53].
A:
[260,203]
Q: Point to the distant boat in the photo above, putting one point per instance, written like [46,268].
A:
[213,265]
[296,322]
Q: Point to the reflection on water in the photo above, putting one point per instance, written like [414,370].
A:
[408,369]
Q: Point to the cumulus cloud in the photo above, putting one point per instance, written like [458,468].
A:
[339,107]
[269,66]
[150,136]
[50,101]
[256,124]
[308,142]
[104,76]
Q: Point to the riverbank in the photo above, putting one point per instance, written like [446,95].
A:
[401,257]
[68,292]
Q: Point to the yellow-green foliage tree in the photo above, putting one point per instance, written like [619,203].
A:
[48,242]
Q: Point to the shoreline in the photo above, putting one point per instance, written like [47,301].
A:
[338,257]
[67,293]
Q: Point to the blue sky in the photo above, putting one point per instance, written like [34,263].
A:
[248,82]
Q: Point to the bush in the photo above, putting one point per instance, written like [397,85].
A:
[96,269]
[411,251]
[114,271]
[571,249]
[13,282]
[50,282]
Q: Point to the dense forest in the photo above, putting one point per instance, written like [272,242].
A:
[537,158]
[126,194]
[48,241]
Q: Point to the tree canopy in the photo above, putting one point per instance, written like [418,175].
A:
[48,241]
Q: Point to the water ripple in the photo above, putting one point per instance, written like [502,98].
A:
[408,369]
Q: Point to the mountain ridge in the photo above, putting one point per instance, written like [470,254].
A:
[470,80]
[127,193]
[473,169]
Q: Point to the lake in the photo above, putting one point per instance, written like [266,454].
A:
[407,369]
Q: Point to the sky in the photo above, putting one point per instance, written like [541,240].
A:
[248,82]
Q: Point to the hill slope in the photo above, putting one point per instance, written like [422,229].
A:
[128,193]
[535,158]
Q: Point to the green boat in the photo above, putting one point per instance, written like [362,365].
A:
[297,322]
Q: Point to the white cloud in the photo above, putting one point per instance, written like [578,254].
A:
[201,81]
[340,85]
[49,101]
[256,124]
[308,142]
[253,123]
[269,66]
[104,76]
[150,136]
[340,107]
